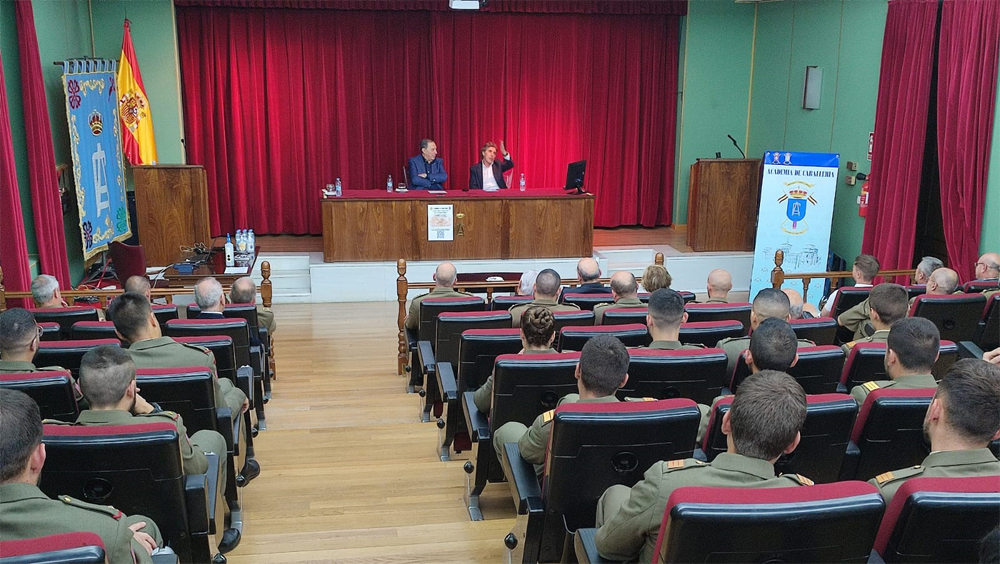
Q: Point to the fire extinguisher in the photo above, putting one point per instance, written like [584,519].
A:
[863,197]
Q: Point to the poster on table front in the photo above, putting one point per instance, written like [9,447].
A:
[90,86]
[796,214]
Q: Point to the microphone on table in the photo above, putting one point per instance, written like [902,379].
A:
[737,146]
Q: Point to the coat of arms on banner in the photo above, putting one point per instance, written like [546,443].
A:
[797,194]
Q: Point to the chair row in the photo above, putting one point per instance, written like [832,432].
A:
[617,442]
[584,301]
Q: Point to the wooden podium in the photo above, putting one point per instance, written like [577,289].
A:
[723,198]
[171,204]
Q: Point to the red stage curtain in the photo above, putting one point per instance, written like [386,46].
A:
[967,82]
[280,102]
[13,246]
[45,202]
[900,131]
[637,7]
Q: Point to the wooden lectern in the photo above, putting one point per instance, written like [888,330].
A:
[171,204]
[723,199]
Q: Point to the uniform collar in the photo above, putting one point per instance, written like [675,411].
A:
[628,301]
[18,491]
[918,380]
[440,290]
[665,345]
[19,365]
[546,351]
[605,399]
[716,301]
[105,417]
[739,463]
[150,343]
[960,457]
[544,301]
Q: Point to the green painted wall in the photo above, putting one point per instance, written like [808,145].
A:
[715,87]
[844,39]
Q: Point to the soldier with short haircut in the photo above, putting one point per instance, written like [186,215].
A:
[548,286]
[912,348]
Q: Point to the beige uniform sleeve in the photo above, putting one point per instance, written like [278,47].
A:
[533,443]
[623,534]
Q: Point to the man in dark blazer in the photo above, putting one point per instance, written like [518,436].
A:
[426,170]
[488,174]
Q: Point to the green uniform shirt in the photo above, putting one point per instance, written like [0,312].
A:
[856,318]
[194,460]
[266,318]
[672,346]
[27,513]
[912,382]
[880,336]
[621,303]
[17,366]
[940,464]
[484,395]
[164,352]
[413,317]
[549,304]
[628,520]
[716,301]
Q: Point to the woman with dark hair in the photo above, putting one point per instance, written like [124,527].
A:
[538,330]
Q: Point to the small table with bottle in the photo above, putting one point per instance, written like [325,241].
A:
[218,262]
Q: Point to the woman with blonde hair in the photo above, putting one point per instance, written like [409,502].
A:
[655,277]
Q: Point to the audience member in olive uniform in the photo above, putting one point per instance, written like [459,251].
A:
[624,290]
[603,368]
[773,346]
[107,377]
[719,284]
[768,303]
[135,322]
[244,291]
[19,338]
[664,317]
[546,292]
[963,418]
[762,424]
[537,333]
[588,274]
[444,281]
[911,351]
[885,305]
[26,512]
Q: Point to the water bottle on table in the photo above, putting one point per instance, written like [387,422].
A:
[338,189]
[522,182]
[229,251]
[251,242]
[388,185]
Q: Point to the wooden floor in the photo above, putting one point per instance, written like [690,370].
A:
[675,236]
[349,474]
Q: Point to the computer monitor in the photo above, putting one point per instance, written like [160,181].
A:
[574,176]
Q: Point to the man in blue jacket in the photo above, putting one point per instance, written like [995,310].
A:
[426,170]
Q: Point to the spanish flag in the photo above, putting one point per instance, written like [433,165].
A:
[138,142]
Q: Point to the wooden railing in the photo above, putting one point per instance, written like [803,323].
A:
[779,276]
[403,286]
[266,291]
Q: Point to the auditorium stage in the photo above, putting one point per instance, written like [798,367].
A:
[299,275]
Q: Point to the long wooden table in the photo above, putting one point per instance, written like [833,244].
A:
[372,225]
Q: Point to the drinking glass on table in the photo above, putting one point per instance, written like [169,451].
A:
[401,187]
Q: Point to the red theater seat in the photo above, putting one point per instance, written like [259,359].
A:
[52,390]
[957,316]
[820,330]
[573,338]
[68,354]
[64,548]
[888,433]
[698,374]
[738,311]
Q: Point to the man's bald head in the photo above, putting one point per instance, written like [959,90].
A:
[769,303]
[623,285]
[547,284]
[794,302]
[943,281]
[588,270]
[139,285]
[988,266]
[720,283]
[244,291]
[445,275]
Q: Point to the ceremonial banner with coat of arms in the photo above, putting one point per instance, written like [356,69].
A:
[95,143]
[796,215]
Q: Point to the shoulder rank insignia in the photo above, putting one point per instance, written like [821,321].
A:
[870,386]
[803,480]
[548,415]
[883,478]
[673,464]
